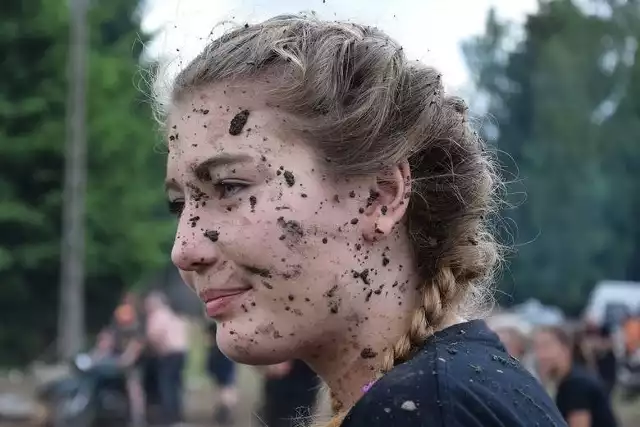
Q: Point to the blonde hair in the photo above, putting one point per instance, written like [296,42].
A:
[364,107]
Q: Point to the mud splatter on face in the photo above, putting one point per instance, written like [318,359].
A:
[262,272]
[363,275]
[290,227]
[212,235]
[253,200]
[198,195]
[289,178]
[238,122]
[368,353]
[334,301]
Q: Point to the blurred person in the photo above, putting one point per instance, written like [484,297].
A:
[104,346]
[222,371]
[334,205]
[597,341]
[581,397]
[516,343]
[128,329]
[289,393]
[631,331]
[168,337]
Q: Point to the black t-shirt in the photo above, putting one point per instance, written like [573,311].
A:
[606,360]
[463,377]
[581,391]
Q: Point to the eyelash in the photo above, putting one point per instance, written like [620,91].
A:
[222,188]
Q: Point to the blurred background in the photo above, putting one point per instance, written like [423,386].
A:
[553,85]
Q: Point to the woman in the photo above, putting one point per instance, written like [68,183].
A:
[598,344]
[333,208]
[581,397]
[168,338]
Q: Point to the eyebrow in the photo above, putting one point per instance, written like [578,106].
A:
[201,169]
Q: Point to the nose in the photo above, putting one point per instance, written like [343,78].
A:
[193,250]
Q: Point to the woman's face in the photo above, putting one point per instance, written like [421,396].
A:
[272,245]
[550,353]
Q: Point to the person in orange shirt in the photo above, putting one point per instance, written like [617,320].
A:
[631,329]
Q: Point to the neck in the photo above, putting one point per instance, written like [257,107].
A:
[563,369]
[348,367]
[345,368]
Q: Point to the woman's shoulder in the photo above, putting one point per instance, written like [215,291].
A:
[462,377]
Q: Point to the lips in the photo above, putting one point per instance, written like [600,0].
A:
[219,301]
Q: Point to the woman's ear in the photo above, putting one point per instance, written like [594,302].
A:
[387,203]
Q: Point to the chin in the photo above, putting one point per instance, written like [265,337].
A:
[244,349]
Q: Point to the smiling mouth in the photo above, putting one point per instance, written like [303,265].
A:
[219,301]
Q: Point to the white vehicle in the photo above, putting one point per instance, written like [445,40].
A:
[610,299]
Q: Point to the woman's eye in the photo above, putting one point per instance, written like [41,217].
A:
[176,207]
[226,189]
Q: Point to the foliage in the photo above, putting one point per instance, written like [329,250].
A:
[565,104]
[127,235]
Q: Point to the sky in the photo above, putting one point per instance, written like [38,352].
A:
[429,30]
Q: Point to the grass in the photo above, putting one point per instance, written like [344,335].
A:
[628,412]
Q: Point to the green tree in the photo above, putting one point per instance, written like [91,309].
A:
[563,125]
[128,233]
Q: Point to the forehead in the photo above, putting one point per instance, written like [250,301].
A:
[231,118]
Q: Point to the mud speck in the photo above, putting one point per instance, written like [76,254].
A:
[334,306]
[212,235]
[331,292]
[262,272]
[238,122]
[253,200]
[368,353]
[289,178]
[291,227]
[363,275]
